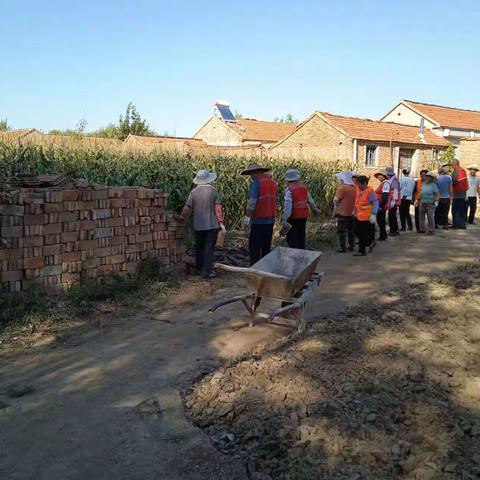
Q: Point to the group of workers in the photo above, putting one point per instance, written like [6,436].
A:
[358,208]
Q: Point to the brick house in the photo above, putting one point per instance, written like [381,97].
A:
[23,136]
[180,144]
[470,148]
[242,132]
[367,144]
[449,123]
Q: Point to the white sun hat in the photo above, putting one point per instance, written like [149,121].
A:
[345,177]
[204,177]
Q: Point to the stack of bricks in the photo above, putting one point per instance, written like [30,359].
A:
[58,236]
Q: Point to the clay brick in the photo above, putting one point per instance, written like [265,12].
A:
[52,228]
[71,257]
[16,210]
[33,241]
[117,202]
[11,232]
[103,252]
[86,205]
[52,250]
[121,240]
[68,217]
[100,194]
[87,225]
[36,262]
[146,237]
[145,220]
[54,207]
[133,229]
[103,232]
[114,222]
[70,195]
[87,245]
[69,278]
[11,276]
[120,258]
[132,248]
[101,214]
[129,193]
[69,236]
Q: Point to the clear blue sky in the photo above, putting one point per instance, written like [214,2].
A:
[65,60]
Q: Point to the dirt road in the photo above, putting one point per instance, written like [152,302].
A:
[105,403]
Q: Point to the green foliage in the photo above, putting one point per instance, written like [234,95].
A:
[131,123]
[109,131]
[19,308]
[287,119]
[170,171]
[78,131]
[448,156]
[4,126]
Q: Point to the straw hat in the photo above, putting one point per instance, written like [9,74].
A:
[292,175]
[390,171]
[473,166]
[430,174]
[254,168]
[204,177]
[381,172]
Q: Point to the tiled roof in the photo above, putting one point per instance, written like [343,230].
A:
[448,117]
[163,139]
[261,131]
[15,134]
[373,130]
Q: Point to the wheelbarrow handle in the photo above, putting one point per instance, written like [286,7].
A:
[230,268]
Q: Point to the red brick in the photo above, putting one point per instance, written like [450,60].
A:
[70,195]
[100,194]
[54,207]
[71,257]
[11,253]
[114,222]
[87,225]
[69,236]
[11,232]
[117,203]
[36,262]
[90,205]
[68,217]
[87,245]
[133,229]
[33,241]
[146,237]
[52,250]
[129,193]
[52,228]
[34,219]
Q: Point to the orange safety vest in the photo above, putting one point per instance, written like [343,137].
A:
[418,189]
[266,206]
[299,200]
[379,193]
[362,207]
[461,184]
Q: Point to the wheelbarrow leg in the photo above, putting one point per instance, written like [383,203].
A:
[301,319]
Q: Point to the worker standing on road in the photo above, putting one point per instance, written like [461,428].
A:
[344,202]
[444,184]
[416,195]
[427,203]
[459,193]
[261,211]
[366,207]
[407,186]
[205,205]
[297,201]
[394,202]
[472,193]
[384,194]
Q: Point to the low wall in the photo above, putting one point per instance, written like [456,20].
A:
[56,236]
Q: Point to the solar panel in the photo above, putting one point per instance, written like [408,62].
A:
[226,113]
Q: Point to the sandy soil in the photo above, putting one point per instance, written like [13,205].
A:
[105,402]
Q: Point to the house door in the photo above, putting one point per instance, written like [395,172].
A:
[405,158]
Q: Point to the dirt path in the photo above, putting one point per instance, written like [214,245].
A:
[106,404]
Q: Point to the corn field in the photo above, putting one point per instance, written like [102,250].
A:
[171,171]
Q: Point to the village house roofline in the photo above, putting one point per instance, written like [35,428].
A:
[251,129]
[163,138]
[442,116]
[374,131]
[214,118]
[21,132]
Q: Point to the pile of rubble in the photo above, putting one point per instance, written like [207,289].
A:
[386,390]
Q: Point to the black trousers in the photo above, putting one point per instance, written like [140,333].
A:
[405,217]
[363,230]
[346,231]
[417,219]
[392,219]
[296,235]
[459,213]
[204,248]
[441,212]
[472,206]
[259,241]
[381,221]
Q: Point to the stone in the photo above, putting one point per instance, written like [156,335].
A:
[225,410]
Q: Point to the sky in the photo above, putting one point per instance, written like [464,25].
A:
[62,61]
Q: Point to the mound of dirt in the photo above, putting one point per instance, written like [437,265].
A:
[387,390]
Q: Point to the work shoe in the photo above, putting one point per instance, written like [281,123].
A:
[371,247]
[341,250]
[360,254]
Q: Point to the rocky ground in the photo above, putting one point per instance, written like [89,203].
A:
[389,389]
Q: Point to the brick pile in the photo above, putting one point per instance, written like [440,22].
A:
[58,236]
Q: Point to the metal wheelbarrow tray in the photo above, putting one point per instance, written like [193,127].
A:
[285,274]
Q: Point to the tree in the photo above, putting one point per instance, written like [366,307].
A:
[4,126]
[447,156]
[237,115]
[132,123]
[109,131]
[288,119]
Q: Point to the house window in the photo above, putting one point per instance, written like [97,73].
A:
[436,155]
[371,154]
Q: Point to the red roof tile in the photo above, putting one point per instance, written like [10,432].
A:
[260,130]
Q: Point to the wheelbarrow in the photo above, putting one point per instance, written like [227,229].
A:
[285,274]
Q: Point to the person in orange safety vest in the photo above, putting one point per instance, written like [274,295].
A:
[261,211]
[297,205]
[366,208]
